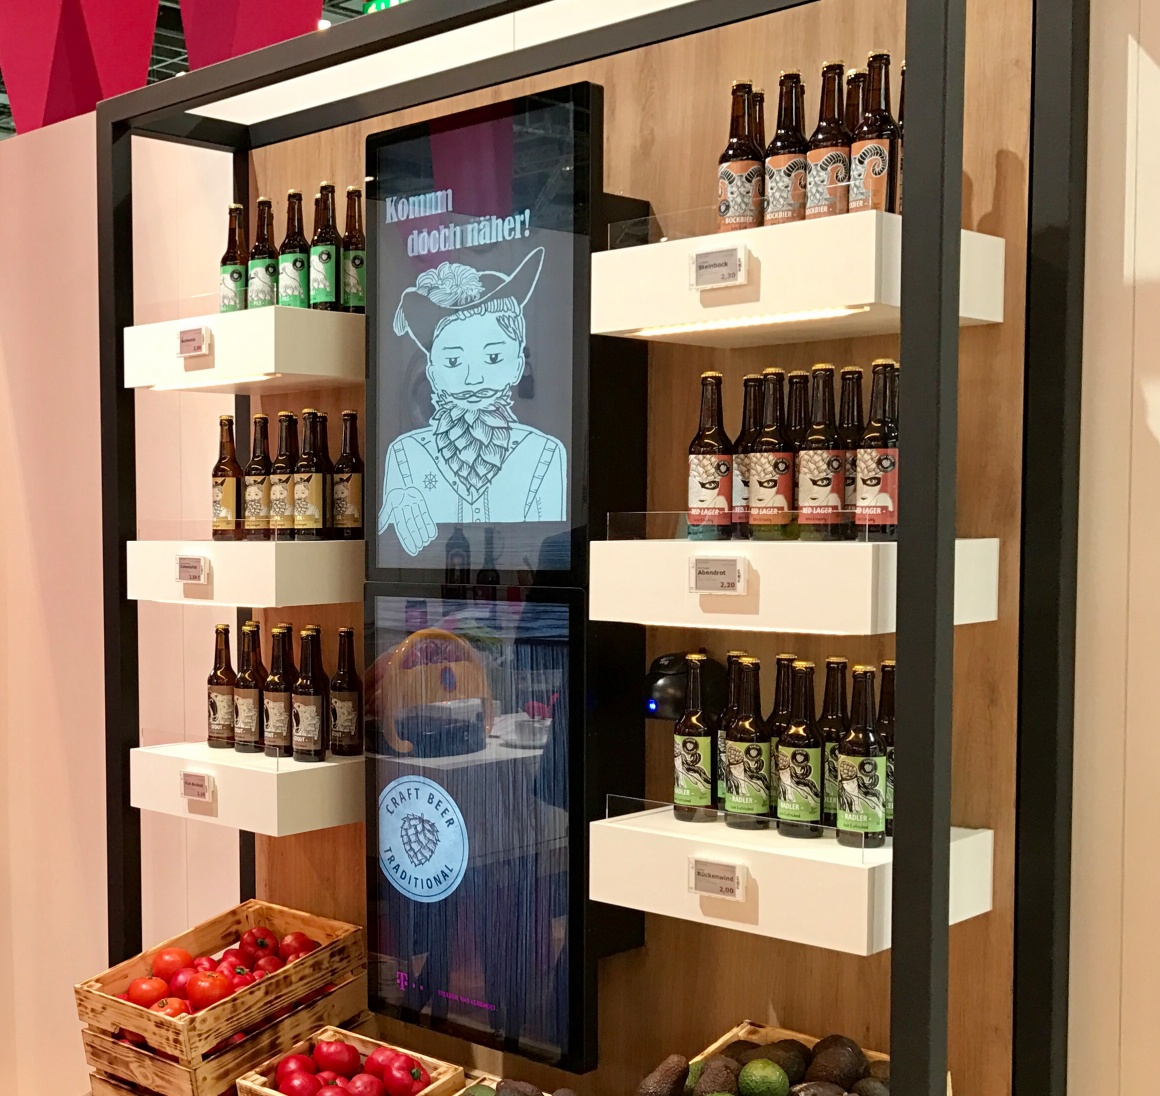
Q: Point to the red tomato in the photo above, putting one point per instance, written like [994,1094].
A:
[378,1060]
[242,978]
[230,969]
[269,964]
[404,1076]
[291,1063]
[204,962]
[146,992]
[295,942]
[366,1084]
[330,1079]
[299,1083]
[235,957]
[207,987]
[258,942]
[168,961]
[131,1037]
[258,975]
[179,982]
[422,1081]
[294,956]
[172,1006]
[338,1056]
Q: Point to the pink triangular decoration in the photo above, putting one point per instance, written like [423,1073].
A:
[73,87]
[121,33]
[28,33]
[216,30]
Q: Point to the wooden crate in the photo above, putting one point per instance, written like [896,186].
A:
[107,1086]
[446,1079]
[178,1061]
[763,1034]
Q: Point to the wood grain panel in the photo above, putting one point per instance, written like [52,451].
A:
[665,123]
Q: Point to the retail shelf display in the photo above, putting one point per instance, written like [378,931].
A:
[815,892]
[263,349]
[260,574]
[252,792]
[831,278]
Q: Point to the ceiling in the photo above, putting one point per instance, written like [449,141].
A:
[169,58]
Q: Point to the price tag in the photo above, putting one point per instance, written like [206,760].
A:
[718,880]
[718,576]
[194,342]
[197,786]
[192,569]
[721,267]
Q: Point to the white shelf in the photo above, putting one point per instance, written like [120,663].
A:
[813,891]
[260,574]
[266,348]
[801,587]
[272,796]
[837,277]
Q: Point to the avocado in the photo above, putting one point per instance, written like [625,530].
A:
[798,1045]
[788,1053]
[762,1077]
[668,1079]
[822,1045]
[517,1088]
[738,1047]
[839,1065]
[719,1074]
[479,1090]
[871,1086]
[881,1069]
[816,1088]
[694,1076]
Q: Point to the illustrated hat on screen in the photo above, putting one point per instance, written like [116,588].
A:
[453,287]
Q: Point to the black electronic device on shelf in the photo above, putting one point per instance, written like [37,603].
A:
[666,681]
[501,434]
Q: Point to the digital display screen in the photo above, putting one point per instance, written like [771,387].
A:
[480,246]
[468,858]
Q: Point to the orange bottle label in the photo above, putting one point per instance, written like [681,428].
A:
[739,195]
[870,174]
[785,188]
[827,182]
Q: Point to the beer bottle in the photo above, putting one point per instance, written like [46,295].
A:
[862,772]
[346,701]
[259,665]
[751,414]
[221,692]
[821,466]
[757,126]
[348,483]
[294,258]
[833,725]
[771,465]
[799,762]
[354,255]
[798,411]
[874,150]
[785,159]
[850,427]
[327,474]
[855,98]
[309,483]
[739,169]
[262,271]
[282,478]
[710,469]
[248,698]
[876,511]
[257,492]
[901,131]
[456,566]
[694,752]
[800,99]
[326,256]
[779,715]
[886,733]
[732,691]
[227,486]
[232,294]
[310,735]
[317,215]
[828,173]
[276,708]
[747,782]
[892,397]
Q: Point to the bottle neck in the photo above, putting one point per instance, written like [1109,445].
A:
[309,656]
[851,409]
[328,214]
[803,697]
[758,124]
[277,655]
[773,408]
[246,654]
[830,108]
[823,398]
[346,654]
[350,437]
[321,441]
[751,412]
[236,240]
[878,393]
[226,450]
[783,692]
[834,700]
[855,100]
[749,693]
[739,118]
[733,682]
[878,93]
[284,438]
[265,225]
[711,406]
[799,407]
[354,225]
[309,434]
[294,217]
[886,695]
[221,653]
[892,397]
[693,701]
[261,440]
[862,712]
[788,115]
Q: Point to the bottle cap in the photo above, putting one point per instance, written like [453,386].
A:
[221,628]
[888,662]
[279,629]
[346,631]
[695,656]
[259,415]
[752,377]
[822,365]
[759,91]
[249,626]
[837,659]
[832,64]
[293,193]
[354,413]
[772,369]
[878,53]
[800,373]
[792,658]
[855,72]
[236,205]
[742,84]
[885,361]
[286,415]
[736,654]
[802,665]
[226,418]
[324,184]
[264,200]
[902,67]
[309,411]
[851,369]
[863,669]
[791,72]
[749,660]
[711,375]
[354,190]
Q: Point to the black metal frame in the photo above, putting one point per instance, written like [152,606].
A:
[935,37]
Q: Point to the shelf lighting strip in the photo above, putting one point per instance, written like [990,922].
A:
[768,320]
[214,382]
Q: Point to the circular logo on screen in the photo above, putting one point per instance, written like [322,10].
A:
[422,839]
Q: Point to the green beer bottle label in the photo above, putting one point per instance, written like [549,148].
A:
[354,279]
[747,781]
[233,288]
[830,789]
[322,274]
[692,780]
[862,794]
[262,291]
[890,783]
[799,792]
[293,281]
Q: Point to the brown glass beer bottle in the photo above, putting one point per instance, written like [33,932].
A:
[310,733]
[855,99]
[294,257]
[862,772]
[232,291]
[828,173]
[354,255]
[694,751]
[248,696]
[850,427]
[346,701]
[728,714]
[326,256]
[739,169]
[282,478]
[798,408]
[276,705]
[799,762]
[833,725]
[750,428]
[348,483]
[262,271]
[309,483]
[757,126]
[876,508]
[227,479]
[747,781]
[327,474]
[785,159]
[222,680]
[771,467]
[779,716]
[710,469]
[874,150]
[256,499]
[821,466]
[886,733]
[901,132]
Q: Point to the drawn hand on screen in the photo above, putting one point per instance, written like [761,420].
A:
[406,509]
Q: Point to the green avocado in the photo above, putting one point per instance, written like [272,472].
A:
[668,1079]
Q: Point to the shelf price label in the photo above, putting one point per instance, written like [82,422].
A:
[194,342]
[728,575]
[192,569]
[197,786]
[717,879]
[723,266]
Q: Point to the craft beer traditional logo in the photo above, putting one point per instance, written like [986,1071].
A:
[422,839]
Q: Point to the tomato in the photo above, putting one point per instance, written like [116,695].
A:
[168,961]
[131,1037]
[422,1081]
[172,1006]
[269,964]
[338,1056]
[230,969]
[146,992]
[294,956]
[180,981]
[242,978]
[235,957]
[295,942]
[330,1079]
[207,987]
[258,975]
[366,1084]
[404,1076]
[299,1083]
[258,942]
[378,1060]
[291,1063]
[204,962]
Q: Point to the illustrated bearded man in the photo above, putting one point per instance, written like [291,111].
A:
[474,462]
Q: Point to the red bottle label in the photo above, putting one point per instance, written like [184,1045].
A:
[739,195]
[785,188]
[877,487]
[710,489]
[821,486]
[770,488]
